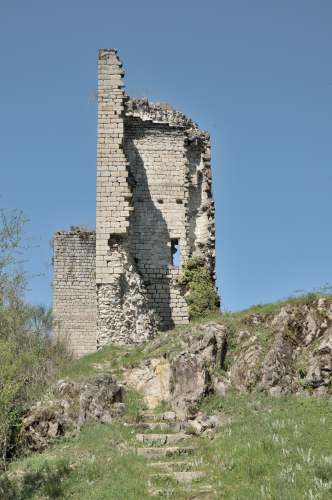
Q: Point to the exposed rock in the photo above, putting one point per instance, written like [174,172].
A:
[325,346]
[268,367]
[290,353]
[186,379]
[158,342]
[190,374]
[310,328]
[244,372]
[284,315]
[42,424]
[191,379]
[320,366]
[97,396]
[329,313]
[186,405]
[221,386]
[152,378]
[321,304]
[277,370]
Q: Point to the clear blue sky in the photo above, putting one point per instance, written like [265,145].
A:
[256,73]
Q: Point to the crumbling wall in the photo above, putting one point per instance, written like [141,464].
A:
[74,290]
[156,155]
[170,172]
[123,313]
[153,192]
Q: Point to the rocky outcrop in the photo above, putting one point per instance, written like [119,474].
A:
[320,366]
[184,377]
[287,352]
[96,398]
[45,423]
[152,378]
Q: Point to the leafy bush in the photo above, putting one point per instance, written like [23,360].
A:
[203,299]
[28,359]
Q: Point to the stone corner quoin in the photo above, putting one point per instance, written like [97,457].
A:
[154,200]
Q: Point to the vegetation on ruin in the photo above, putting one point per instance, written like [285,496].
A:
[202,299]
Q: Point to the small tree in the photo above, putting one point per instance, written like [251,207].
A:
[41,320]
[28,360]
[10,388]
[203,299]
[13,279]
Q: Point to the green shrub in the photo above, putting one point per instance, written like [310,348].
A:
[28,359]
[203,299]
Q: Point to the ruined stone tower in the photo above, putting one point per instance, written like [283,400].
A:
[154,200]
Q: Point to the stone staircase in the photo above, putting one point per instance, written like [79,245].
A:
[171,454]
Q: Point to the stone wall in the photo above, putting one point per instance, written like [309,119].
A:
[156,155]
[153,196]
[74,290]
[124,315]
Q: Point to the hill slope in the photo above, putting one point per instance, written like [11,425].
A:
[195,406]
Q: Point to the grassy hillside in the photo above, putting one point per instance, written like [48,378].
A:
[267,448]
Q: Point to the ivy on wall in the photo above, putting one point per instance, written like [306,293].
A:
[203,299]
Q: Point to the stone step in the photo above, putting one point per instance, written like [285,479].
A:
[200,490]
[206,487]
[170,465]
[163,438]
[181,477]
[174,426]
[167,415]
[163,452]
[159,438]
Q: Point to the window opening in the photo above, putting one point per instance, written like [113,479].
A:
[175,251]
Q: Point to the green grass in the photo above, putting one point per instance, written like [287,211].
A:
[134,406]
[272,447]
[89,468]
[278,448]
[268,448]
[163,406]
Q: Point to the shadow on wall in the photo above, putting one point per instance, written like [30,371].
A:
[149,234]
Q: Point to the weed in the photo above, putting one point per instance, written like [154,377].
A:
[158,319]
[191,430]
[53,487]
[163,406]
[134,405]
